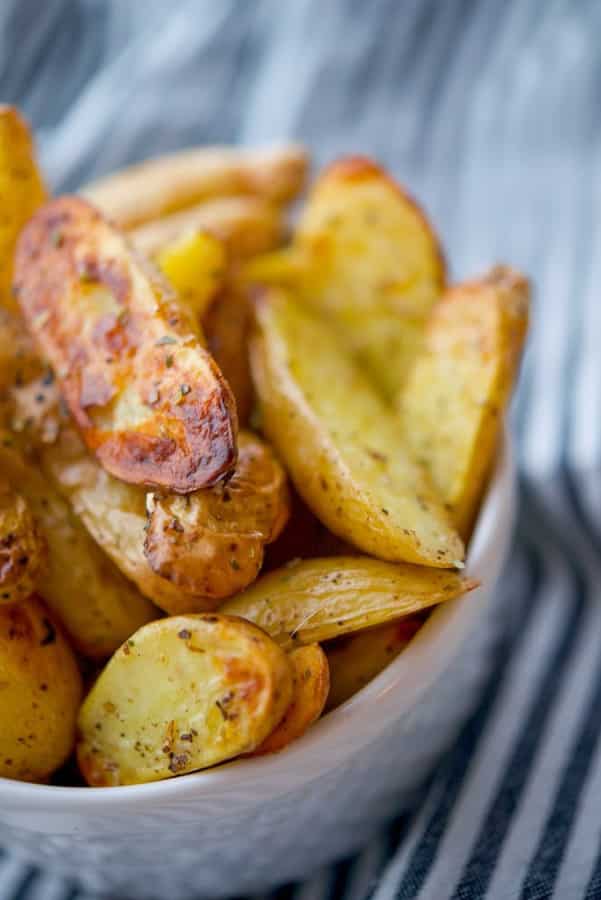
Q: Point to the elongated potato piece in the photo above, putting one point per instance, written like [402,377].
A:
[23,549]
[375,266]
[227,324]
[357,658]
[453,404]
[98,607]
[164,185]
[184,693]
[21,188]
[195,265]
[146,396]
[245,226]
[311,680]
[315,600]
[40,692]
[342,446]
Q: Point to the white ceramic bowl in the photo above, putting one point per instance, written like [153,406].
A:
[249,825]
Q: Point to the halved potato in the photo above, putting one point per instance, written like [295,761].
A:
[315,600]
[164,185]
[21,188]
[375,266]
[245,226]
[357,658]
[311,680]
[184,693]
[23,549]
[97,605]
[453,404]
[40,692]
[147,397]
[195,265]
[342,446]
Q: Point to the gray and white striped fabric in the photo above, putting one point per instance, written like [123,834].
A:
[491,112]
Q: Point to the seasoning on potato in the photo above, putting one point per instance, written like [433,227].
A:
[182,694]
[40,692]
[147,397]
[23,549]
[342,446]
[315,600]
[311,686]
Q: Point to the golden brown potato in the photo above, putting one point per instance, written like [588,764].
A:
[245,226]
[196,266]
[40,692]
[19,359]
[311,683]
[23,550]
[21,188]
[374,266]
[98,607]
[184,693]
[164,185]
[315,600]
[227,324]
[146,396]
[357,658]
[453,404]
[342,446]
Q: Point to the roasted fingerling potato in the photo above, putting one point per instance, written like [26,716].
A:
[182,694]
[227,325]
[40,692]
[147,398]
[344,449]
[23,549]
[453,404]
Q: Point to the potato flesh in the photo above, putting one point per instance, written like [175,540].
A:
[183,694]
[311,683]
[315,600]
[342,446]
[452,406]
[195,265]
[23,550]
[40,692]
[147,397]
[226,324]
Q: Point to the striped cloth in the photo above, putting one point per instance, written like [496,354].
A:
[491,112]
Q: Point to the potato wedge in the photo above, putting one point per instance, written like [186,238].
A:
[342,446]
[40,692]
[146,396]
[315,600]
[357,658]
[311,683]
[98,607]
[21,188]
[375,266]
[184,693]
[164,185]
[195,265]
[245,226]
[23,549]
[226,324]
[452,406]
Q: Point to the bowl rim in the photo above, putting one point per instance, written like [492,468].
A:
[336,737]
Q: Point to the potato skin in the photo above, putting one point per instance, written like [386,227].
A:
[183,694]
[311,680]
[453,404]
[227,324]
[342,446]
[40,692]
[23,549]
[146,396]
[315,600]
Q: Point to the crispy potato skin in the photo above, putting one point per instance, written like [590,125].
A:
[184,693]
[374,266]
[40,692]
[357,658]
[211,544]
[316,600]
[146,396]
[342,446]
[23,549]
[21,188]
[453,404]
[311,680]
[170,183]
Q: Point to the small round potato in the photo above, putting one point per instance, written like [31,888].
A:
[184,693]
[40,692]
[23,550]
